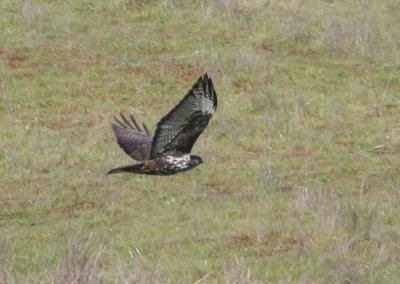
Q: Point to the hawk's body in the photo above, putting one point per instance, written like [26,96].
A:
[168,151]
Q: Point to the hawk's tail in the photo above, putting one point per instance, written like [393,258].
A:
[126,169]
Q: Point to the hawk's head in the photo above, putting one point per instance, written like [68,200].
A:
[195,161]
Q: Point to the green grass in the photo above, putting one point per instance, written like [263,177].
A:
[301,176]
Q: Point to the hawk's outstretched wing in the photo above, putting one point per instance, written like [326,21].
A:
[177,132]
[132,139]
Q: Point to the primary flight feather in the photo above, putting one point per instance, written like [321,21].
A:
[168,151]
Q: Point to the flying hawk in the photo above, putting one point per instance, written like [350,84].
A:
[168,151]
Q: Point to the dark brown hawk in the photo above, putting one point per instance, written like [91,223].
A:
[168,151]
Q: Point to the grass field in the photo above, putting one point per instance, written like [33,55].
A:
[301,176]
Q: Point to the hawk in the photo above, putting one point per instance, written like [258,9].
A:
[168,151]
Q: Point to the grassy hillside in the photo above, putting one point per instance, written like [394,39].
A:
[301,176]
